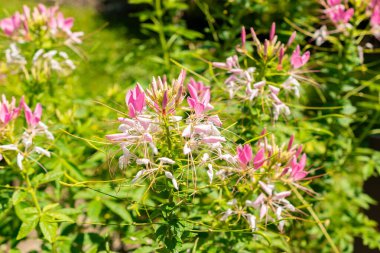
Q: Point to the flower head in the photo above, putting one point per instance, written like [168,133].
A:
[297,60]
[32,118]
[298,168]
[164,98]
[199,99]
[8,111]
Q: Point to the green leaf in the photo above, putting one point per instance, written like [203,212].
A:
[119,210]
[50,206]
[25,214]
[18,196]
[93,210]
[51,176]
[59,216]
[27,227]
[48,229]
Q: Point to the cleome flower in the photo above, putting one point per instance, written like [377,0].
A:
[24,144]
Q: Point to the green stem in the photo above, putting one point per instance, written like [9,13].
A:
[32,192]
[315,217]
[168,139]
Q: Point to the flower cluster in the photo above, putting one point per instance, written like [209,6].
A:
[41,22]
[155,129]
[338,14]
[271,170]
[264,80]
[35,36]
[24,144]
[157,142]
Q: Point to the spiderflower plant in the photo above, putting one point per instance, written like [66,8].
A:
[271,70]
[171,137]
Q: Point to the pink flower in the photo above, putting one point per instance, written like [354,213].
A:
[272,32]
[333,2]
[375,18]
[8,111]
[11,25]
[32,118]
[59,22]
[199,99]
[243,37]
[244,154]
[135,100]
[298,169]
[338,14]
[297,60]
[259,159]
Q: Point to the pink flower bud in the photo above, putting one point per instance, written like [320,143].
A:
[243,37]
[272,31]
[291,39]
[290,142]
[280,58]
[135,100]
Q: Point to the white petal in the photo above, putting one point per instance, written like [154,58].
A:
[142,161]
[42,151]
[226,215]
[210,173]
[20,158]
[138,175]
[166,160]
[251,221]
[9,147]
[169,175]
[175,184]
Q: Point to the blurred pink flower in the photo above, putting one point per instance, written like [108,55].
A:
[259,159]
[297,60]
[11,25]
[8,111]
[339,14]
[244,154]
[298,168]
[199,99]
[32,118]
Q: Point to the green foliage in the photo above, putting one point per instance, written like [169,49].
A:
[80,201]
